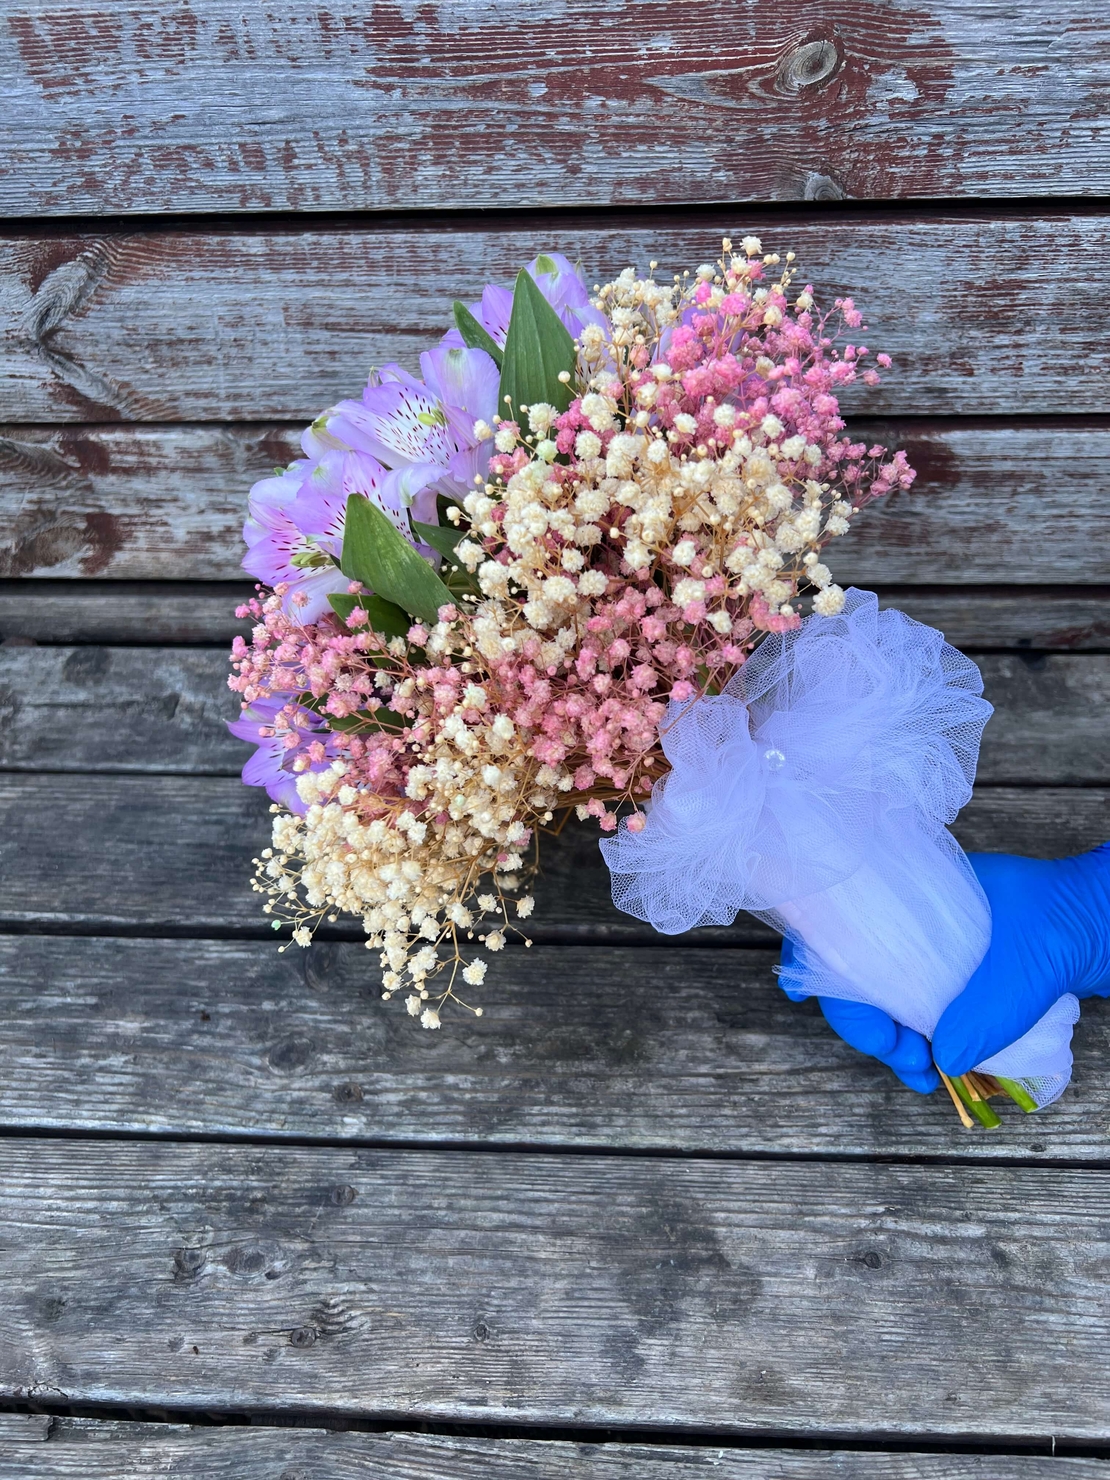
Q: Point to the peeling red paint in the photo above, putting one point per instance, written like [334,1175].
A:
[105,535]
[583,101]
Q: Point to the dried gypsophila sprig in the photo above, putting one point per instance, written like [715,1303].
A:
[628,551]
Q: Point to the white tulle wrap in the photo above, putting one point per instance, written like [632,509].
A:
[815,792]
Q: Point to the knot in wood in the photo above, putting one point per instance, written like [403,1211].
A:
[821,187]
[290,1055]
[188,1263]
[807,66]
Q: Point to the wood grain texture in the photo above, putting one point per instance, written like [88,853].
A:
[170,853]
[129,107]
[746,1297]
[1014,503]
[133,502]
[187,614]
[214,325]
[598,1046]
[155,710]
[88,1449]
[61,612]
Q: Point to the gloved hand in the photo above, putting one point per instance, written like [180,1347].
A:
[1050,934]
[871,1031]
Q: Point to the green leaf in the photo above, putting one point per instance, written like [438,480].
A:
[385,616]
[379,719]
[376,553]
[537,349]
[441,537]
[474,336]
[546,266]
[382,718]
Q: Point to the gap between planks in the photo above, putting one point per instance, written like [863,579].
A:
[252,1452]
[89,1448]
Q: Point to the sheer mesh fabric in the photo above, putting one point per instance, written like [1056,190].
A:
[816,792]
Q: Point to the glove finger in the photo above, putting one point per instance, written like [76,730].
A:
[912,1061]
[862,1027]
[871,1031]
[990,1013]
[912,1053]
[922,1084]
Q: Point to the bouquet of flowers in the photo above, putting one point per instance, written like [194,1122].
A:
[575,567]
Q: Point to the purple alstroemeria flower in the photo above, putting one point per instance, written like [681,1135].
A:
[560,283]
[294,531]
[271,765]
[279,548]
[419,425]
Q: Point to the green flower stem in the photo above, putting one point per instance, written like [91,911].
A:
[979,1108]
[1018,1095]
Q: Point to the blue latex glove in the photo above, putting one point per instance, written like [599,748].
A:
[1050,935]
[871,1031]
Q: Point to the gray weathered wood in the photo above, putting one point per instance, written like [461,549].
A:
[133,502]
[132,108]
[218,326]
[118,709]
[1070,619]
[1010,503]
[91,1449]
[749,1297]
[204,612]
[163,709]
[599,1046]
[173,853]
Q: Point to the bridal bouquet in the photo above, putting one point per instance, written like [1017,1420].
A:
[575,567]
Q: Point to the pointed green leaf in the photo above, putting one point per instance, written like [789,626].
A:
[441,537]
[546,265]
[537,348]
[474,336]
[376,553]
[385,617]
[445,538]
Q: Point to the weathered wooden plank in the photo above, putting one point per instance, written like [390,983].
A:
[1071,619]
[183,613]
[91,1449]
[747,1297]
[214,325]
[1068,620]
[163,709]
[170,853]
[598,1046]
[119,709]
[132,108]
[992,503]
[133,502]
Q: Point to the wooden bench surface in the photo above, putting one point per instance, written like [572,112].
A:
[645,1218]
